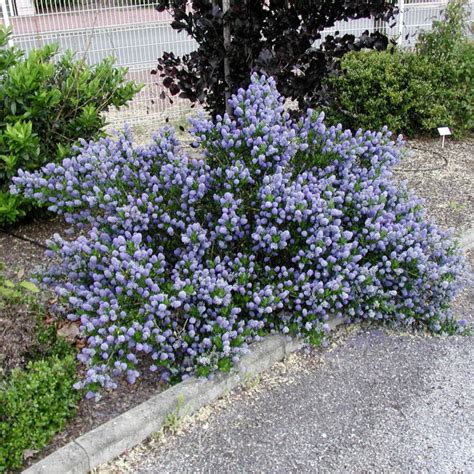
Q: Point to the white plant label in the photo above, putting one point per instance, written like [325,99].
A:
[444,132]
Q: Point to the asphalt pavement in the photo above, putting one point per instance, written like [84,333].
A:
[375,403]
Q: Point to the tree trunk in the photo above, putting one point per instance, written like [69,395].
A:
[225,9]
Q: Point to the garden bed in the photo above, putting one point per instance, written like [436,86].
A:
[443,177]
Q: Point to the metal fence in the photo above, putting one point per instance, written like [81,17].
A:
[136,35]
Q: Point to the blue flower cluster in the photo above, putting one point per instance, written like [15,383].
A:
[273,225]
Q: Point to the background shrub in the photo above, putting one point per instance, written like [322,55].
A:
[449,45]
[410,91]
[441,43]
[401,90]
[276,225]
[46,104]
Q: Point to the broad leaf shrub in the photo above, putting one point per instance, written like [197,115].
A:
[46,104]
[273,225]
[412,92]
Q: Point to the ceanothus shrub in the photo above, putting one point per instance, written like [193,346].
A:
[273,225]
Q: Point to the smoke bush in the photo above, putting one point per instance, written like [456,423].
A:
[274,226]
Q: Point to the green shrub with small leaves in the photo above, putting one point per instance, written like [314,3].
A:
[37,397]
[48,102]
[375,89]
[412,92]
[35,404]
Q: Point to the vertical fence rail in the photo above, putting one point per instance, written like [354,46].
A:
[401,20]
[136,35]
[5,14]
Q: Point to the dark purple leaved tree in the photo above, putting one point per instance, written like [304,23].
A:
[275,37]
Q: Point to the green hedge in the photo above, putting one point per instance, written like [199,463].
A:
[412,92]
[35,404]
[378,88]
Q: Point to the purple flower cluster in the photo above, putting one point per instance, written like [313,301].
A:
[274,225]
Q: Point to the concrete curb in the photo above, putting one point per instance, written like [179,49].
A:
[466,242]
[111,439]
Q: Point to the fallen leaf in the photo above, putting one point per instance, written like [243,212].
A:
[69,331]
[80,344]
[28,453]
[30,286]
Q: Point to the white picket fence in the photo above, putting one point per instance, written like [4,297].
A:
[136,35]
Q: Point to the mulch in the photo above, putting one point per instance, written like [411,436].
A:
[444,177]
[17,337]
[22,246]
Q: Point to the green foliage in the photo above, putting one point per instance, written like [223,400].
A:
[34,405]
[35,401]
[410,92]
[449,47]
[395,88]
[12,208]
[12,292]
[46,104]
[447,35]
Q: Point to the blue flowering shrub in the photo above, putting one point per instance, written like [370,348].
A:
[272,225]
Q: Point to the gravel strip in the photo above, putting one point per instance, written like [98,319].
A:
[444,178]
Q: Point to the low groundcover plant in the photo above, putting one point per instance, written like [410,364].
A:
[274,225]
